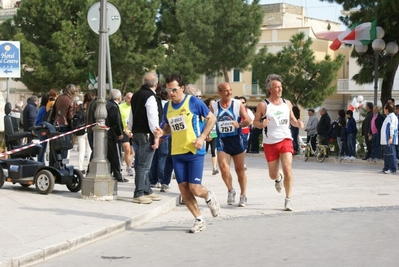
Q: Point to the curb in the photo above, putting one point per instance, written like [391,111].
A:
[70,245]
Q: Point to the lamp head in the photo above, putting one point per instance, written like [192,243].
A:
[378,45]
[392,48]
[361,49]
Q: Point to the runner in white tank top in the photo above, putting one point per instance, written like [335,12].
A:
[276,114]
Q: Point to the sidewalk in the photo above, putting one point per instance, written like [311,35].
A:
[36,227]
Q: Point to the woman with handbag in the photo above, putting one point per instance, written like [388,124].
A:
[65,108]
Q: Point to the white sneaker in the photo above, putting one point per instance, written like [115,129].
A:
[287,205]
[279,184]
[243,201]
[130,171]
[213,205]
[352,158]
[231,197]
[164,188]
[198,226]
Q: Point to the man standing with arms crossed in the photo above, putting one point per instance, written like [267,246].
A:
[229,113]
[147,113]
[182,116]
[276,114]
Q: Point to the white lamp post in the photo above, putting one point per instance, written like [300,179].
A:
[378,46]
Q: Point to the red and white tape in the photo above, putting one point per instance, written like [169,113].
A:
[48,139]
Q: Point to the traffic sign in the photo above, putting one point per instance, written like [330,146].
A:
[10,64]
[113,18]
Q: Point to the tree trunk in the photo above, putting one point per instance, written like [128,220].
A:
[226,75]
[387,85]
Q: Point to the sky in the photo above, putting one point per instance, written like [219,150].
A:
[314,8]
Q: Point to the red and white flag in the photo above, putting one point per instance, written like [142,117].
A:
[360,34]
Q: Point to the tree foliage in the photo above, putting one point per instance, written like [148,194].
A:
[58,47]
[306,82]
[214,35]
[134,47]
[387,15]
[53,50]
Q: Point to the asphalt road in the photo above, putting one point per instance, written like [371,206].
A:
[345,214]
[330,238]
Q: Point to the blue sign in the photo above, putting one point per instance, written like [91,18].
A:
[10,64]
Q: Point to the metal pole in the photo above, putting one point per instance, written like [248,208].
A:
[102,53]
[109,68]
[8,90]
[375,77]
[98,183]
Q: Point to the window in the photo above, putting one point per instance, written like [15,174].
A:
[254,86]
[236,75]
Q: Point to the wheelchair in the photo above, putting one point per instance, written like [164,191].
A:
[21,167]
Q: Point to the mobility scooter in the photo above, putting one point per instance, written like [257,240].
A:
[21,168]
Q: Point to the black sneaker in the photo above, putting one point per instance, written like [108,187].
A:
[123,180]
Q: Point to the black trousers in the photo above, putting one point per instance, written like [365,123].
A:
[368,146]
[113,158]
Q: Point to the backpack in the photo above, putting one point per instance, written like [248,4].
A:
[332,134]
[50,115]
[79,120]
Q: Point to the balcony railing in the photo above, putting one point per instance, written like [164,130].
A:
[345,86]
[7,13]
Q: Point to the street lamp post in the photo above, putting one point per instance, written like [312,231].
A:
[380,50]
[98,183]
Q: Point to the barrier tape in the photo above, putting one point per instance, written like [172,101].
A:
[49,139]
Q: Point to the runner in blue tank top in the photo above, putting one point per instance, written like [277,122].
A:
[230,144]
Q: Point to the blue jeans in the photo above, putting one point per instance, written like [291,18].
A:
[162,164]
[144,155]
[390,158]
[351,144]
[375,146]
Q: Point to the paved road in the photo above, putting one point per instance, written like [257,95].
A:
[333,238]
[344,215]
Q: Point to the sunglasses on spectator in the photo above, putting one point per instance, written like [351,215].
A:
[172,90]
[199,96]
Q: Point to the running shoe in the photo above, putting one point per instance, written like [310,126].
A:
[213,205]
[279,184]
[287,205]
[164,188]
[198,226]
[243,201]
[231,197]
[215,171]
[157,185]
[130,171]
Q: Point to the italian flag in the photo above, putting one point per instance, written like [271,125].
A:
[358,34]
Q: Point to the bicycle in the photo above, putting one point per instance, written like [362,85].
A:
[320,152]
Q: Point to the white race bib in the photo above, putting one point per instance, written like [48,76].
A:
[226,126]
[178,123]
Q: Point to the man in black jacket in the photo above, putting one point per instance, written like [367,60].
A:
[366,131]
[114,134]
[29,114]
[323,128]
